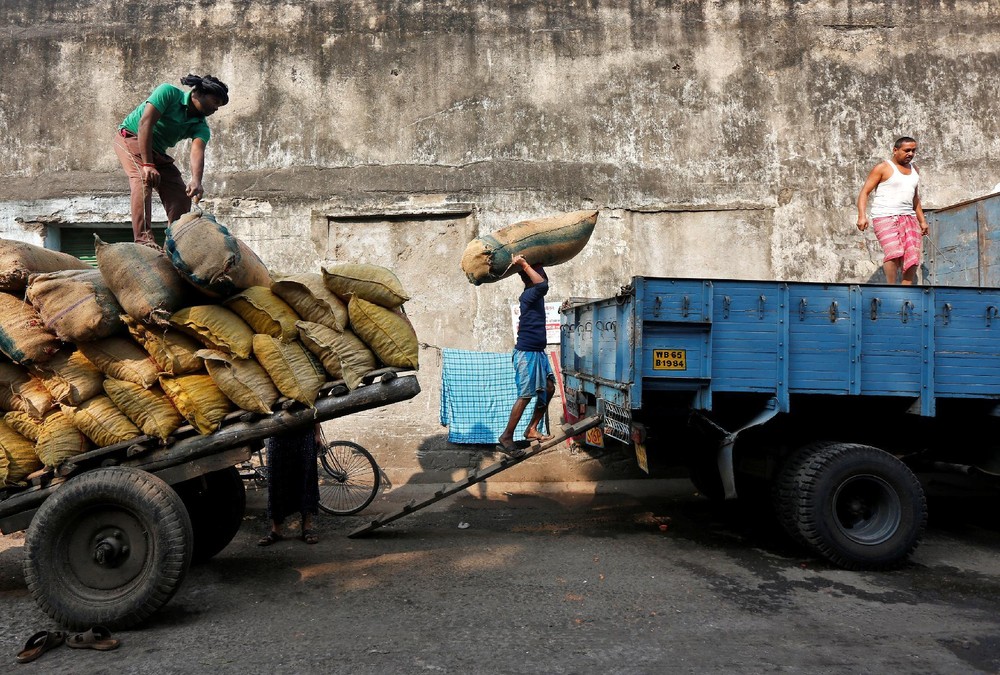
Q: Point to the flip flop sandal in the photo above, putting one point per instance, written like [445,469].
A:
[270,538]
[539,439]
[309,537]
[39,643]
[98,638]
[510,450]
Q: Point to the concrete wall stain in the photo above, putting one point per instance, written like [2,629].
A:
[698,127]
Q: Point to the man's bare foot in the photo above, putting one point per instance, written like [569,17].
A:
[537,437]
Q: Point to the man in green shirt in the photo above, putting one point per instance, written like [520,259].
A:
[166,117]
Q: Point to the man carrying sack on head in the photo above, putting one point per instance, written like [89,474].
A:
[166,117]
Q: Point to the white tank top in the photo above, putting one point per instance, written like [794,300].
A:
[894,197]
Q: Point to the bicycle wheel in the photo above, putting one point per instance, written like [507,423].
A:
[349,478]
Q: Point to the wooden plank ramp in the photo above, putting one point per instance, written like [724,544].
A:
[479,475]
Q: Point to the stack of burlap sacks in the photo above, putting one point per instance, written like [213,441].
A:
[153,339]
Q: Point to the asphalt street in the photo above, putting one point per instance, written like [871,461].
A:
[645,578]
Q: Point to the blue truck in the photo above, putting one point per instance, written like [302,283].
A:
[826,400]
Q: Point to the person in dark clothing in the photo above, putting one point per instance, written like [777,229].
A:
[532,373]
[293,483]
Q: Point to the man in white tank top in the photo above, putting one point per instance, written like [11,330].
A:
[896,215]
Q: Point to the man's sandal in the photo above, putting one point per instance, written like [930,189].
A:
[39,643]
[98,638]
[270,538]
[309,537]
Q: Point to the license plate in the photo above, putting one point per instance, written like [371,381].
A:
[670,359]
[595,437]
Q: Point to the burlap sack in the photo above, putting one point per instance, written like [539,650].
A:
[17,457]
[217,328]
[372,282]
[312,300]
[542,241]
[122,359]
[101,421]
[23,335]
[295,372]
[356,359]
[76,305]
[318,340]
[22,391]
[27,425]
[208,256]
[149,409]
[59,440]
[70,377]
[387,332]
[265,312]
[243,381]
[143,280]
[172,350]
[199,399]
[18,260]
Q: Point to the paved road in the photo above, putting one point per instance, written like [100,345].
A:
[555,582]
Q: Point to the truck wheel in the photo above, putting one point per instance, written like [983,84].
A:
[858,506]
[110,547]
[215,503]
[785,491]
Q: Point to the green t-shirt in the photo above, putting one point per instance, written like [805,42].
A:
[175,123]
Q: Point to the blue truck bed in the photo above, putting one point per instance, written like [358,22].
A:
[707,336]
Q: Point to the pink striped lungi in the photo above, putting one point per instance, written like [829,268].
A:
[900,237]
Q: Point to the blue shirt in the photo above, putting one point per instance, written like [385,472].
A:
[531,329]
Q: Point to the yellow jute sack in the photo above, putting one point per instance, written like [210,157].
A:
[542,241]
[70,377]
[172,350]
[122,359]
[142,279]
[24,338]
[59,439]
[312,300]
[17,457]
[101,421]
[18,260]
[216,328]
[244,381]
[20,390]
[388,333]
[199,399]
[374,283]
[149,409]
[319,340]
[265,312]
[24,424]
[295,372]
[355,358]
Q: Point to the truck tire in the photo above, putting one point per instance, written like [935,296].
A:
[109,548]
[785,490]
[216,503]
[855,505]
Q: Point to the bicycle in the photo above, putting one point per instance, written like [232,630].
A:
[349,477]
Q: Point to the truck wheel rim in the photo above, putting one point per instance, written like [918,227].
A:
[866,510]
[106,549]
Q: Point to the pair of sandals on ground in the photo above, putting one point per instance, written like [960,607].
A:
[513,450]
[272,537]
[98,638]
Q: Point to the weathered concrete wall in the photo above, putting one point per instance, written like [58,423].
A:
[724,138]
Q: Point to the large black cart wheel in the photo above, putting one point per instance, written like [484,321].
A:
[349,478]
[855,505]
[216,503]
[110,547]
